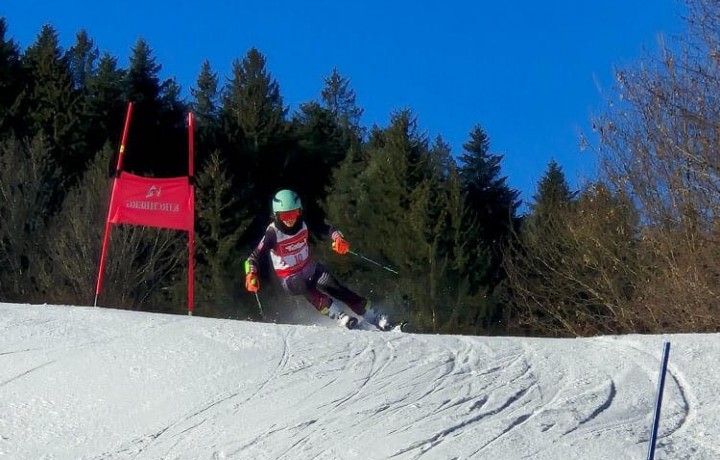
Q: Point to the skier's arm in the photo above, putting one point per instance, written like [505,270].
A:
[252,264]
[339,244]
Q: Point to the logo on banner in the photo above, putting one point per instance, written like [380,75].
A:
[153,191]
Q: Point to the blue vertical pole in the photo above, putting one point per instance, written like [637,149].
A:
[658,401]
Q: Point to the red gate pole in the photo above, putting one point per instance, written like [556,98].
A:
[118,169]
[191,232]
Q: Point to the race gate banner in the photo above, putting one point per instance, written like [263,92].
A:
[153,202]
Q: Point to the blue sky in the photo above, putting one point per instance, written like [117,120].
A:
[530,73]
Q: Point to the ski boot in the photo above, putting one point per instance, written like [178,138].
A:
[376,319]
[342,318]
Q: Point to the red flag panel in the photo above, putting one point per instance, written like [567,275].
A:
[153,202]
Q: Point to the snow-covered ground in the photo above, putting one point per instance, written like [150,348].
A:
[95,383]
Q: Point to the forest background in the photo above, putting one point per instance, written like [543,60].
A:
[634,250]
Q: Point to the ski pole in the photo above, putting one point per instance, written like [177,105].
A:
[373,262]
[658,401]
[257,297]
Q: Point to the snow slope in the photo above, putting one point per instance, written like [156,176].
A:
[94,383]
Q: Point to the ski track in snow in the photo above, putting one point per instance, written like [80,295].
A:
[133,386]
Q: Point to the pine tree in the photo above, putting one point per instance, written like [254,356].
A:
[254,132]
[540,256]
[52,104]
[219,229]
[471,307]
[384,207]
[106,104]
[339,98]
[341,203]
[157,145]
[319,147]
[432,301]
[442,162]
[492,207]
[252,104]
[82,59]
[549,210]
[391,178]
[205,105]
[11,77]
[143,80]
[553,191]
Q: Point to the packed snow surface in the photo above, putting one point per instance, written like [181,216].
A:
[96,383]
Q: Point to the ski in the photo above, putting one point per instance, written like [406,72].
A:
[392,327]
[397,327]
[400,327]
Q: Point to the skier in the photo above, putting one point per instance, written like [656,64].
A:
[286,239]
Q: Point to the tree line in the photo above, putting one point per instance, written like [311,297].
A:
[632,251]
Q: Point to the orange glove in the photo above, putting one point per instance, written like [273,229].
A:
[339,244]
[252,282]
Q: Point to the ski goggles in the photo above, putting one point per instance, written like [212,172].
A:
[289,215]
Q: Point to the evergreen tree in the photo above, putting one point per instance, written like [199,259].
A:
[254,129]
[339,98]
[106,104]
[443,299]
[252,104]
[82,59]
[549,210]
[11,78]
[206,108]
[52,104]
[384,209]
[392,176]
[492,206]
[205,103]
[553,191]
[219,229]
[540,253]
[143,80]
[157,144]
[442,162]
[341,205]
[401,202]
[319,147]
[430,199]
[459,307]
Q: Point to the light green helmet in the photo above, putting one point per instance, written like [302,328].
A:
[285,200]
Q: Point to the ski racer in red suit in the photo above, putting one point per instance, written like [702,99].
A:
[286,241]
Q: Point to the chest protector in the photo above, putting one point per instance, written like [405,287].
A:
[291,252]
